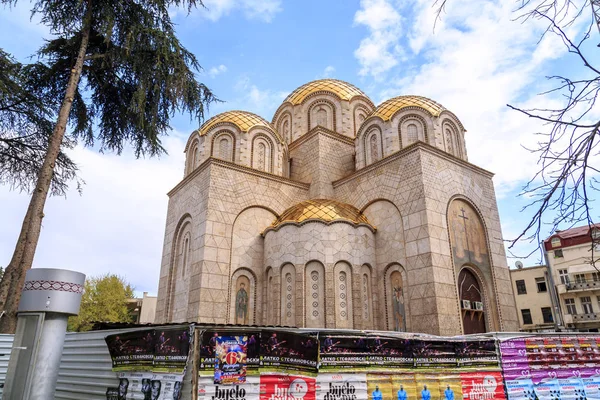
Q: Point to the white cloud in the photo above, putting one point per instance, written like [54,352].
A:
[264,10]
[115,226]
[328,72]
[214,71]
[263,102]
[379,51]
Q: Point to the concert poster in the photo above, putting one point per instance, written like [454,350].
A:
[404,386]
[428,386]
[389,354]
[379,387]
[287,387]
[434,353]
[342,386]
[147,386]
[171,349]
[343,353]
[281,351]
[230,360]
[208,345]
[131,351]
[485,385]
[476,354]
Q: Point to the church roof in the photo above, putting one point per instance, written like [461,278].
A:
[388,108]
[343,90]
[244,120]
[324,210]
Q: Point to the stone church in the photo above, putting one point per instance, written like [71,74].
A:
[336,214]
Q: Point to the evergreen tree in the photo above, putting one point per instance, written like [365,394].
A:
[104,299]
[121,73]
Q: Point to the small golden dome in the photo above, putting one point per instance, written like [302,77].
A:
[321,209]
[388,108]
[343,90]
[244,120]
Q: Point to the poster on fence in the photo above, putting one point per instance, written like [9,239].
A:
[287,387]
[477,353]
[230,360]
[131,351]
[344,353]
[281,351]
[208,350]
[172,347]
[341,386]
[147,386]
[249,390]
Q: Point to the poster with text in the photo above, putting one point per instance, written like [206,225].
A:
[379,387]
[131,351]
[339,353]
[249,390]
[450,387]
[281,351]
[434,353]
[341,386]
[521,389]
[547,390]
[149,386]
[230,360]
[477,354]
[208,348]
[287,387]
[404,387]
[390,354]
[482,385]
[571,389]
[172,348]
[591,386]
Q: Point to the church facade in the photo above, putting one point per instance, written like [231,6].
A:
[336,214]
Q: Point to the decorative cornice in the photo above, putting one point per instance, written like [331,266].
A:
[319,221]
[315,131]
[407,150]
[239,168]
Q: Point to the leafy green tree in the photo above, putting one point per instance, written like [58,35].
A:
[121,73]
[104,300]
[25,129]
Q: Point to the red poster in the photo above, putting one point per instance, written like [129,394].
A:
[482,386]
[287,387]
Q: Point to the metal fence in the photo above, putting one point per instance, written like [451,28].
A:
[6,342]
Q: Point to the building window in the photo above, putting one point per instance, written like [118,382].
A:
[596,276]
[521,289]
[564,277]
[571,308]
[579,278]
[595,234]
[598,298]
[555,242]
[526,317]
[586,304]
[541,285]
[547,315]
[558,253]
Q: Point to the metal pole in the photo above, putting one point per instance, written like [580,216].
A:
[50,347]
[553,296]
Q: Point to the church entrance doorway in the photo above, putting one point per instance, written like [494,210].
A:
[471,302]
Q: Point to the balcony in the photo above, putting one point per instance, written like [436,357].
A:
[578,318]
[581,285]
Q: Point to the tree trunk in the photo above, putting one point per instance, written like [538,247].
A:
[22,259]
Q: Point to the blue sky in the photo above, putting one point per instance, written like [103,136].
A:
[254,53]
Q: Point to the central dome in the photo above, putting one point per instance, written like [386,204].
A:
[341,89]
[324,210]
[388,108]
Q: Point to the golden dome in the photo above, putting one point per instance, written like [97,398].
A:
[388,108]
[322,209]
[244,120]
[343,90]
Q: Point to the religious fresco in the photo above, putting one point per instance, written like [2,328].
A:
[398,302]
[467,236]
[242,297]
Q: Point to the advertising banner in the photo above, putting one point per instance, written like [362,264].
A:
[208,349]
[147,386]
[281,351]
[388,354]
[477,354]
[341,386]
[434,353]
[249,390]
[339,353]
[287,387]
[482,385]
[521,389]
[591,386]
[172,347]
[230,361]
[131,351]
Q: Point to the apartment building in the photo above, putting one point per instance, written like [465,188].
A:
[532,298]
[570,254]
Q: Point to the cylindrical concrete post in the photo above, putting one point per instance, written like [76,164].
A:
[52,295]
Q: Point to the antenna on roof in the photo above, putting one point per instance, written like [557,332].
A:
[519,265]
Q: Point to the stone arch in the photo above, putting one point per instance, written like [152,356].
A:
[359,115]
[223,146]
[470,247]
[314,295]
[261,157]
[421,133]
[243,297]
[366,296]
[194,155]
[319,109]
[288,295]
[342,278]
[373,145]
[453,143]
[285,127]
[176,285]
[397,309]
[479,293]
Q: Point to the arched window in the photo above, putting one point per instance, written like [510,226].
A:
[185,255]
[449,145]
[286,131]
[224,149]
[471,301]
[261,154]
[196,157]
[321,117]
[412,133]
[176,284]
[315,295]
[365,295]
[288,295]
[458,145]
[343,295]
[374,148]
[270,315]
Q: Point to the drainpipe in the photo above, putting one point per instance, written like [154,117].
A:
[553,295]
